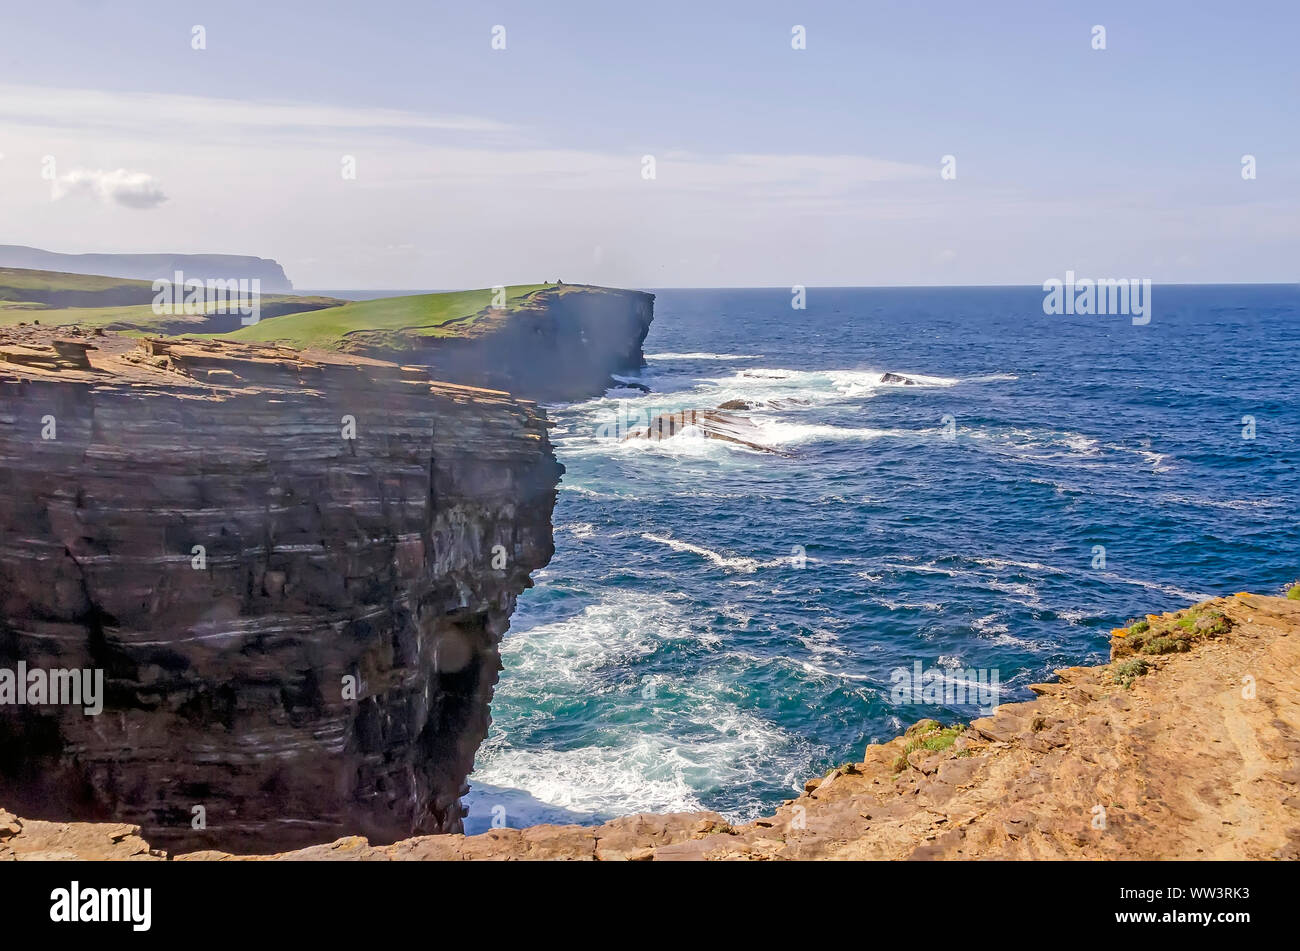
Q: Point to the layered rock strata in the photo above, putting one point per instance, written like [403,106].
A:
[293,569]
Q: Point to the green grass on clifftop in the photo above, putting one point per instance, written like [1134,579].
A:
[15,281]
[451,313]
[131,319]
[59,299]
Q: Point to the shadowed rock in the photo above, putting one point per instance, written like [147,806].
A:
[705,424]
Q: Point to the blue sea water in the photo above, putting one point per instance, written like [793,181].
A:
[674,655]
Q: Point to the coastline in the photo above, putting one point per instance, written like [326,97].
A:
[1196,758]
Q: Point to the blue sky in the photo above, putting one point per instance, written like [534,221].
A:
[773,166]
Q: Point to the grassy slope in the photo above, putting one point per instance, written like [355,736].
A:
[421,314]
[18,285]
[130,318]
[13,281]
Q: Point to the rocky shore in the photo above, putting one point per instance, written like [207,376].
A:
[1186,745]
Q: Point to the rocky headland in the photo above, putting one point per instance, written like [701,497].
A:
[1186,745]
[549,343]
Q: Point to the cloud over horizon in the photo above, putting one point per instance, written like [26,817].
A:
[138,190]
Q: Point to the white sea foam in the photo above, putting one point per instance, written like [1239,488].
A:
[1159,586]
[1027,565]
[703,356]
[726,562]
[909,606]
[659,748]
[1225,503]
[813,386]
[990,624]
[775,432]
[822,641]
[1026,590]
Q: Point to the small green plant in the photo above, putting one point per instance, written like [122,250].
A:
[1129,671]
[938,739]
[1168,634]
[1166,645]
[1293,593]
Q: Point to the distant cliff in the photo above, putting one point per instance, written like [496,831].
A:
[558,345]
[294,573]
[151,267]
[554,342]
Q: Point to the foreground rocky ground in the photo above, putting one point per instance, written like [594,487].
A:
[1187,745]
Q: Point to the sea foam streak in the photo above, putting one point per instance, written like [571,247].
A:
[703,356]
[729,563]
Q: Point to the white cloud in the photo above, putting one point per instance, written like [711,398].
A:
[138,190]
[172,115]
[458,202]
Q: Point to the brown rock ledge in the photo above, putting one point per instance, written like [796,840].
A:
[1197,758]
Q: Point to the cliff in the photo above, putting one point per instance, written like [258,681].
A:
[293,570]
[554,342]
[151,267]
[558,345]
[1187,745]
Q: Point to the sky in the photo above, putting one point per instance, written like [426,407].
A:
[772,166]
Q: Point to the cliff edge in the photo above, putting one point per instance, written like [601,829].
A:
[1186,745]
[544,342]
[292,569]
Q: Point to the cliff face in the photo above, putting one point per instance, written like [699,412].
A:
[562,344]
[298,630]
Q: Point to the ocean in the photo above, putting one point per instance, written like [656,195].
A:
[720,624]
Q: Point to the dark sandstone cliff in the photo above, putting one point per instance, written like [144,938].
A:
[394,558]
[561,344]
